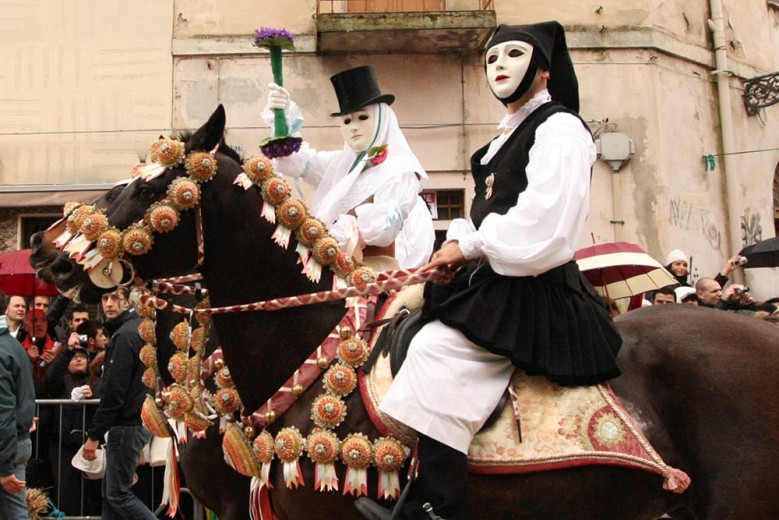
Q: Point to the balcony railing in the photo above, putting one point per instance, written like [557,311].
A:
[403,26]
[400,6]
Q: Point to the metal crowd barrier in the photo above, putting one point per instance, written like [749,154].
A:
[54,422]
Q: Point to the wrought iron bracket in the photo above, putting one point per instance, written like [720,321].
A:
[761,92]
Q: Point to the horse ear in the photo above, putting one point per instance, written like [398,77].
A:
[211,133]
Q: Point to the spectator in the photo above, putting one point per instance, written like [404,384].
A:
[664,295]
[69,378]
[77,316]
[14,315]
[736,298]
[119,413]
[686,295]
[17,411]
[709,292]
[89,336]
[678,265]
[41,302]
[41,348]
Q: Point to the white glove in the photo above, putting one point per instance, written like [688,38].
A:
[278,97]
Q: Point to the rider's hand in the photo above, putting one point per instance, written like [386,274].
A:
[278,97]
[449,256]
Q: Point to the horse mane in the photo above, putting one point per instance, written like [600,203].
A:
[186,135]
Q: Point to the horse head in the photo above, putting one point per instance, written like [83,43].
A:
[190,209]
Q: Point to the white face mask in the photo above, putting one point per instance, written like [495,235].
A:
[358,128]
[507,64]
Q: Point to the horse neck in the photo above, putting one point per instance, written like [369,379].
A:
[244,265]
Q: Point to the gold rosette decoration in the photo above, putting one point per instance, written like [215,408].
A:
[362,277]
[177,366]
[340,380]
[292,213]
[149,378]
[94,225]
[390,456]
[322,448]
[146,331]
[183,193]
[275,191]
[357,454]
[238,451]
[264,448]
[326,250]
[258,169]
[162,217]
[109,243]
[328,411]
[310,231]
[179,402]
[180,336]
[196,421]
[352,351]
[201,166]
[137,240]
[148,355]
[77,217]
[153,418]
[226,400]
[167,152]
[289,446]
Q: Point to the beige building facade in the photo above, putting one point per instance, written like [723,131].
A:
[87,86]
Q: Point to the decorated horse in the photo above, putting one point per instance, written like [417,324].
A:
[200,458]
[700,385]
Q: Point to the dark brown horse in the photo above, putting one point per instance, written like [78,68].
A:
[701,383]
[201,458]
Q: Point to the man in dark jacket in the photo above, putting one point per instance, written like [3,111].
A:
[119,413]
[17,412]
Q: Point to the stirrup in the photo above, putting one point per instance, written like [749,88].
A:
[429,510]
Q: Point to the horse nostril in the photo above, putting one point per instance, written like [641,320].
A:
[61,268]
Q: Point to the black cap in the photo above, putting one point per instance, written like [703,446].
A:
[357,88]
[548,39]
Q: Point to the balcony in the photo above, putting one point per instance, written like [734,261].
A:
[403,26]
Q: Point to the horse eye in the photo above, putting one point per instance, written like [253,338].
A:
[145,193]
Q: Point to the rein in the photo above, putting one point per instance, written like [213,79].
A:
[385,282]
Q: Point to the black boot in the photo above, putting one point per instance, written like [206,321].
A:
[438,493]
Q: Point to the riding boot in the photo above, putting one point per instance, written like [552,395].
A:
[439,491]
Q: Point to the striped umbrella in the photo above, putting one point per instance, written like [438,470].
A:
[621,269]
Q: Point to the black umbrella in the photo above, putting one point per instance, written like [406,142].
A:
[762,254]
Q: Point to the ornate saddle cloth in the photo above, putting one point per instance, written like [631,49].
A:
[560,426]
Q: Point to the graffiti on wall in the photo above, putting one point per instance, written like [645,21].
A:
[682,215]
[751,229]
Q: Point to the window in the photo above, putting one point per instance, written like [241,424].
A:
[450,204]
[31,224]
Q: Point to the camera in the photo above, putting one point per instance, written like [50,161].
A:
[83,339]
[743,260]
[740,289]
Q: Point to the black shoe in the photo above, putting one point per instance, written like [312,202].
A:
[371,510]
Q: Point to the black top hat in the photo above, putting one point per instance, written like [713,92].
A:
[357,88]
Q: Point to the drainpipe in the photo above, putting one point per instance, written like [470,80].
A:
[716,25]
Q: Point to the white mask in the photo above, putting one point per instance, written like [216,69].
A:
[507,64]
[358,129]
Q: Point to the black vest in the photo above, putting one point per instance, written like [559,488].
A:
[507,168]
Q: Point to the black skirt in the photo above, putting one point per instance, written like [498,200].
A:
[554,324]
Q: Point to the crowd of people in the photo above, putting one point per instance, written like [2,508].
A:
[714,292]
[72,358]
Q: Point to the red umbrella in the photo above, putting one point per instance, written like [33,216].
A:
[17,277]
[622,269]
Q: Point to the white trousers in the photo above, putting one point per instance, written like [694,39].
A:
[448,386]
